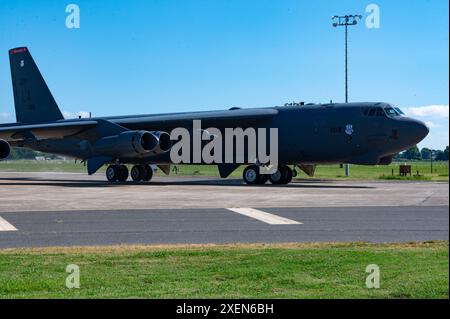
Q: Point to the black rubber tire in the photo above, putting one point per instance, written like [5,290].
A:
[137,173]
[251,175]
[289,175]
[147,173]
[263,178]
[123,173]
[279,177]
[294,173]
[112,173]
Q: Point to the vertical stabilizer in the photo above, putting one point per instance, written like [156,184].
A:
[33,100]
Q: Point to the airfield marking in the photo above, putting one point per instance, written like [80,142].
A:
[5,226]
[263,216]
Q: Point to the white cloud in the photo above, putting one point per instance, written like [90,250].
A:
[429,110]
[75,115]
[6,117]
[430,124]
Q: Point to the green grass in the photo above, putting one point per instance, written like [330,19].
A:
[41,166]
[416,270]
[440,170]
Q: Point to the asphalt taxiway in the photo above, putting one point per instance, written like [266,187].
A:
[71,209]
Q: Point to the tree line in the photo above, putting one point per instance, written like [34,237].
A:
[424,154]
[411,154]
[18,153]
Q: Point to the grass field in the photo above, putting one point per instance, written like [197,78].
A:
[416,270]
[440,170]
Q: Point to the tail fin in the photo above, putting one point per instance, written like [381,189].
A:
[33,100]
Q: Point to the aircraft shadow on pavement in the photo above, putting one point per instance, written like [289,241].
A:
[30,181]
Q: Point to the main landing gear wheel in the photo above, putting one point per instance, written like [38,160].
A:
[137,173]
[252,176]
[147,173]
[117,173]
[112,173]
[141,173]
[283,175]
[123,173]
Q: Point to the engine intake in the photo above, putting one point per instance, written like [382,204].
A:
[133,143]
[5,150]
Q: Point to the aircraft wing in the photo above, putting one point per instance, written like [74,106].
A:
[49,130]
[61,129]
[215,116]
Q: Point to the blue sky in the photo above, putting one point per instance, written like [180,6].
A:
[132,57]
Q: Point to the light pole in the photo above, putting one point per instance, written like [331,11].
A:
[431,161]
[339,21]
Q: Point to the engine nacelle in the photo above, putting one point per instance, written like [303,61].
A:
[5,150]
[133,143]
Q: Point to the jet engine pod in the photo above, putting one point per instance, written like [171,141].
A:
[126,144]
[133,143]
[5,150]
[164,142]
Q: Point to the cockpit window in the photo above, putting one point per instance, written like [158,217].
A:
[388,110]
[380,112]
[391,111]
[400,112]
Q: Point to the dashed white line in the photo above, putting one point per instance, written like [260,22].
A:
[263,216]
[5,226]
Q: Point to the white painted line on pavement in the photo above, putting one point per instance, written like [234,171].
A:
[263,216]
[5,226]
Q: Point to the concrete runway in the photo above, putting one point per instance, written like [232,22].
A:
[68,209]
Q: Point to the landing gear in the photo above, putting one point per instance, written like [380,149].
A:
[123,173]
[141,173]
[283,175]
[252,176]
[148,173]
[112,173]
[136,173]
[119,173]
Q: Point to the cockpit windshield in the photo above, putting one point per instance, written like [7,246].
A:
[386,111]
[399,111]
[390,111]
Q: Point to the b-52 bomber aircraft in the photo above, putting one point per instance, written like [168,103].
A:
[311,134]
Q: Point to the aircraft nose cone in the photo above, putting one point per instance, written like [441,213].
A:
[419,130]
[422,130]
